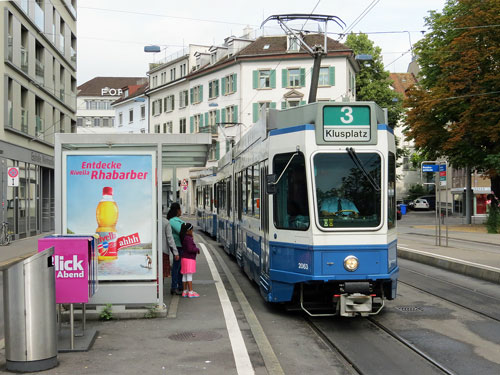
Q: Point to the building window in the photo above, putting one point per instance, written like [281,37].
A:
[197,122]
[182,126]
[183,70]
[230,114]
[170,127]
[293,44]
[213,89]
[197,94]
[143,112]
[157,107]
[293,77]
[79,121]
[172,74]
[324,77]
[293,103]
[157,128]
[105,122]
[97,122]
[169,103]
[183,99]
[264,79]
[229,84]
[131,116]
[120,119]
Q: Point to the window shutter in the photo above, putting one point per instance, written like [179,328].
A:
[191,95]
[331,75]
[255,80]
[191,124]
[235,113]
[223,84]
[284,78]
[283,105]
[217,150]
[272,105]
[302,77]
[302,102]
[201,121]
[223,115]
[255,112]
[217,88]
[234,82]
[217,117]
[201,93]
[272,78]
[206,118]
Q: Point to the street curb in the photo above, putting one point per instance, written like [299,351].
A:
[451,264]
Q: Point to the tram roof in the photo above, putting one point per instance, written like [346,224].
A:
[178,150]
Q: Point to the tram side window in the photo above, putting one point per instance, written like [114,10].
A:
[291,205]
[244,179]
[228,198]
[391,191]
[256,191]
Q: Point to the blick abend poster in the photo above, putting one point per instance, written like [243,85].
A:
[112,194]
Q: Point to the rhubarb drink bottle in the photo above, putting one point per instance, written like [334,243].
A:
[107,217]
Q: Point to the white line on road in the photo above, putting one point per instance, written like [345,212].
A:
[240,352]
[450,258]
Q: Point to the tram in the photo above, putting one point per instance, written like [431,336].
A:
[306,203]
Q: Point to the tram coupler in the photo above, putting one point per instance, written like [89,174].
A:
[354,304]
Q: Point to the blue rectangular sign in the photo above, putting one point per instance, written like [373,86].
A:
[442,167]
[430,167]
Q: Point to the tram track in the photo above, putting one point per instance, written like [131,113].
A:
[474,297]
[367,347]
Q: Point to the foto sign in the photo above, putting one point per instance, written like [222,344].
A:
[346,123]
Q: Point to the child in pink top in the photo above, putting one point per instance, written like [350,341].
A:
[188,260]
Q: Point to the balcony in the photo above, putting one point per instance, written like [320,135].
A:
[24,60]
[61,43]
[39,17]
[61,94]
[39,71]
[211,129]
[24,6]
[9,48]
[24,120]
[39,127]
[10,122]
[73,55]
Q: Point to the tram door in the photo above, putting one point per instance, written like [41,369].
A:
[264,218]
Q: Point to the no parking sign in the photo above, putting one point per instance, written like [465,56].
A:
[13,176]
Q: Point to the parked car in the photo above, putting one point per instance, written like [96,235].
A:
[420,204]
[431,199]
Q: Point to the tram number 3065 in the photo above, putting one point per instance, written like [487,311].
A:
[303,266]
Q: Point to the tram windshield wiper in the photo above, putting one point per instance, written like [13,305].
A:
[359,164]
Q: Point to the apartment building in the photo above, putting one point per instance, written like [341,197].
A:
[132,110]
[225,86]
[94,99]
[220,89]
[39,100]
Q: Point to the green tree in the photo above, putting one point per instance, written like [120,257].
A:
[373,82]
[454,112]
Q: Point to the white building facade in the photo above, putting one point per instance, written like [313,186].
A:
[132,111]
[221,89]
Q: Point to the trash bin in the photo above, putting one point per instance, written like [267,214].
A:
[403,209]
[30,313]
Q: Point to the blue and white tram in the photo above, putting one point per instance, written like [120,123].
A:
[313,208]
[206,217]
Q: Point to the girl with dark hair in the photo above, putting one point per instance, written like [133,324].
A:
[176,224]
[188,260]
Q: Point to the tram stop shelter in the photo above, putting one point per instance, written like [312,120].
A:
[111,185]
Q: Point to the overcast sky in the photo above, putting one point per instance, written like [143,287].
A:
[111,42]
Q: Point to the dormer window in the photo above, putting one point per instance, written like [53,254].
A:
[293,44]
[125,93]
[213,58]
[266,46]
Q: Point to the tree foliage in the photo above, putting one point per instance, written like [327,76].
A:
[373,82]
[454,112]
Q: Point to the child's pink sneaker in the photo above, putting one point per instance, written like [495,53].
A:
[193,294]
[184,293]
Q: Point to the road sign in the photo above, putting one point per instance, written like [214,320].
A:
[442,173]
[430,167]
[442,167]
[13,176]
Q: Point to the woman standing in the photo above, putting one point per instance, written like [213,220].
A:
[173,217]
[168,246]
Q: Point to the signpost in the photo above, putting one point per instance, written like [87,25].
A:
[439,168]
[13,179]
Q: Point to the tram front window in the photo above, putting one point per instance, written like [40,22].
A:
[291,206]
[348,191]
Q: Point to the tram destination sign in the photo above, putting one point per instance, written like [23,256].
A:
[347,123]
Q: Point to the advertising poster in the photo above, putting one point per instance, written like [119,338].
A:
[113,195]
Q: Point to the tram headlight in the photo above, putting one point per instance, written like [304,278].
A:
[351,263]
